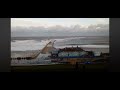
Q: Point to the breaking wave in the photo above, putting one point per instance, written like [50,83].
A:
[23,45]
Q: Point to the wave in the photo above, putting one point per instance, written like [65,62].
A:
[23,45]
[85,46]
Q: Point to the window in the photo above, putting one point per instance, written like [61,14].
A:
[63,54]
[73,53]
[83,53]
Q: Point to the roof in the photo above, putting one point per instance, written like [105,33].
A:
[71,49]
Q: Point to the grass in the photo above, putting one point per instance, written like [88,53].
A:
[59,67]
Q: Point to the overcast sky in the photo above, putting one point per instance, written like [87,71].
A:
[59,26]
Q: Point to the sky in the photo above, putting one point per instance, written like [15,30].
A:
[59,26]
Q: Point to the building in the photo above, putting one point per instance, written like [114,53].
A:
[71,55]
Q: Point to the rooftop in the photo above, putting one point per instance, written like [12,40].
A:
[71,49]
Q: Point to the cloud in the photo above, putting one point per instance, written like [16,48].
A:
[102,21]
[58,30]
[48,22]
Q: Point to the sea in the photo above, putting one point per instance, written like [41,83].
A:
[89,43]
[22,45]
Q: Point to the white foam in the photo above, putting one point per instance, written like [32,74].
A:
[85,46]
[23,45]
[95,46]
[66,39]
